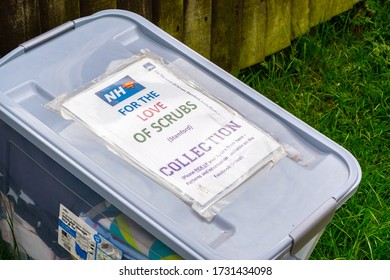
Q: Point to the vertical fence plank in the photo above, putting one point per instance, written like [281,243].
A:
[32,21]
[253,32]
[197,26]
[226,33]
[278,34]
[56,12]
[339,7]
[320,11]
[19,22]
[300,19]
[141,7]
[232,33]
[88,7]
[169,16]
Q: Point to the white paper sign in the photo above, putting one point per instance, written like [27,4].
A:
[191,143]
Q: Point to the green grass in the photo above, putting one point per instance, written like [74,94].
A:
[337,79]
[5,251]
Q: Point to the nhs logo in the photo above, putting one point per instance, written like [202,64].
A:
[120,91]
[149,66]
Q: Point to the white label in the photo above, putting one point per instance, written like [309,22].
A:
[81,240]
[193,144]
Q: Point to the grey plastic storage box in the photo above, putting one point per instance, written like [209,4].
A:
[45,163]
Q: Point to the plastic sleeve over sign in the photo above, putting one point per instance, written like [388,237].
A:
[176,133]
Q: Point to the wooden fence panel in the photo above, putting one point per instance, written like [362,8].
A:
[341,6]
[226,38]
[254,26]
[88,7]
[141,7]
[56,12]
[278,33]
[19,21]
[232,33]
[300,17]
[197,26]
[320,11]
[170,14]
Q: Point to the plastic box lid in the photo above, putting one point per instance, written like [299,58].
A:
[272,214]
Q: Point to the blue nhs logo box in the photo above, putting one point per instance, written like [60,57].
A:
[120,90]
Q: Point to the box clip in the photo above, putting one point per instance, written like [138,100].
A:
[312,226]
